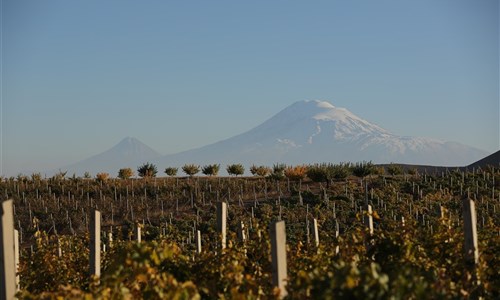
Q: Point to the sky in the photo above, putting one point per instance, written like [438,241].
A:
[79,76]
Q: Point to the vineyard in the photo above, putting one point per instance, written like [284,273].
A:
[359,236]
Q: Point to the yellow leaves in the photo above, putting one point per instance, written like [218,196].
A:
[155,258]
[350,282]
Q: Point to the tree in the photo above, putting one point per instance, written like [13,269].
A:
[262,171]
[363,169]
[278,172]
[191,169]
[296,173]
[235,169]
[125,173]
[87,175]
[102,177]
[147,170]
[340,171]
[211,170]
[171,171]
[320,173]
[394,169]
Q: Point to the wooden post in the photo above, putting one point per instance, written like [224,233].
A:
[316,235]
[7,259]
[221,222]
[198,242]
[470,231]
[95,244]
[278,255]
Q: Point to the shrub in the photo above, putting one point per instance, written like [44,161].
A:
[190,169]
[125,173]
[147,170]
[395,169]
[171,171]
[262,171]
[211,170]
[296,173]
[235,169]
[278,171]
[363,169]
[341,171]
[319,173]
[102,177]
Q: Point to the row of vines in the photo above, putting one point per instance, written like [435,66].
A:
[415,251]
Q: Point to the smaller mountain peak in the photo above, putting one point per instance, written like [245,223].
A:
[130,140]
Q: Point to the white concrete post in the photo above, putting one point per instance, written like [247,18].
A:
[138,233]
[222,222]
[278,255]
[95,244]
[316,234]
[470,231]
[7,258]
[241,232]
[198,242]
[16,256]
[368,218]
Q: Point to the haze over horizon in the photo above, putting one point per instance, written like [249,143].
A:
[77,77]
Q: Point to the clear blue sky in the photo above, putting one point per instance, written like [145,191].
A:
[78,76]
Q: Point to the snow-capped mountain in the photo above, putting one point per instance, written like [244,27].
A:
[303,133]
[128,153]
[317,131]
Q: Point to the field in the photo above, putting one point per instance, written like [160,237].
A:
[415,249]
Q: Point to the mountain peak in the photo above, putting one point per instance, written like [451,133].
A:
[344,124]
[129,141]
[131,146]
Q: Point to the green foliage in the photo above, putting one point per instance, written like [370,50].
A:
[171,171]
[320,173]
[235,169]
[395,169]
[190,169]
[363,169]
[125,173]
[278,172]
[211,170]
[147,170]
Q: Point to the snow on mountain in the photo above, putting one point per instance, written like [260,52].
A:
[128,153]
[303,133]
[317,131]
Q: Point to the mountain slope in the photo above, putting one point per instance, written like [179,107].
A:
[129,152]
[317,131]
[491,160]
